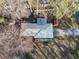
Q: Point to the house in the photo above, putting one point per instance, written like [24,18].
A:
[39,32]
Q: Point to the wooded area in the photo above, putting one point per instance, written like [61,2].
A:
[62,14]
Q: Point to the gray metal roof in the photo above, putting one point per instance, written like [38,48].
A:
[38,31]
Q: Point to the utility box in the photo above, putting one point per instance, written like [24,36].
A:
[41,21]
